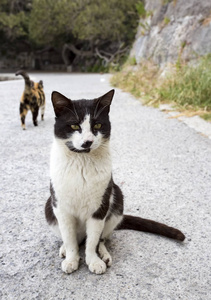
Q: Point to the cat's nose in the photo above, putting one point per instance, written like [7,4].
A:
[87,144]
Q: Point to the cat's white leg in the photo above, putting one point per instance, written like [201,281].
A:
[67,226]
[109,227]
[42,108]
[104,254]
[94,230]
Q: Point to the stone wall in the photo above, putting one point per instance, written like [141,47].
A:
[172,29]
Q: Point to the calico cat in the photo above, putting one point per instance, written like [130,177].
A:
[33,98]
[85,202]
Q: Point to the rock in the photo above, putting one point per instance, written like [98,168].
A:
[175,30]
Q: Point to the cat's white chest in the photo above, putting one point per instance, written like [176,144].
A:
[79,180]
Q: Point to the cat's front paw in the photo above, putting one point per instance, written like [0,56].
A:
[97,266]
[69,266]
[106,257]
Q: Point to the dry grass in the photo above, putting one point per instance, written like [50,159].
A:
[187,88]
[138,80]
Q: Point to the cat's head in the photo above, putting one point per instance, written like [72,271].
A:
[83,125]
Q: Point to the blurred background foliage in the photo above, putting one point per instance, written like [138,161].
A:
[90,34]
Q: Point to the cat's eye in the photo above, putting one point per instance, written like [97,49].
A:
[97,126]
[75,127]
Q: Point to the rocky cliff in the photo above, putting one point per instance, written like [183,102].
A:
[172,29]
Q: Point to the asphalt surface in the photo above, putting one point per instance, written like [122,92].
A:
[164,170]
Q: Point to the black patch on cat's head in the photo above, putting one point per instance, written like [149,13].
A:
[70,112]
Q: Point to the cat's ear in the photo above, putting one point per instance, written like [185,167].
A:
[40,84]
[103,103]
[60,103]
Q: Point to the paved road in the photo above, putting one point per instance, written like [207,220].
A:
[164,169]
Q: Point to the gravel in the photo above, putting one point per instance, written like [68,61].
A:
[164,169]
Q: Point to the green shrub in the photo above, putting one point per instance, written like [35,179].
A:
[141,9]
[166,21]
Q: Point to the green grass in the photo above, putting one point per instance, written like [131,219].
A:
[187,87]
[206,116]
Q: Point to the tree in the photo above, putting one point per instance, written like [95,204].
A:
[86,28]
[93,31]
[14,18]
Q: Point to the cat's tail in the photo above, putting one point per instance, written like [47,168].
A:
[28,83]
[146,225]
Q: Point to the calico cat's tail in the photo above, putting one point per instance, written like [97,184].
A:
[28,83]
[137,223]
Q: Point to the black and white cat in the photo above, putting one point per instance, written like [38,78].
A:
[85,202]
